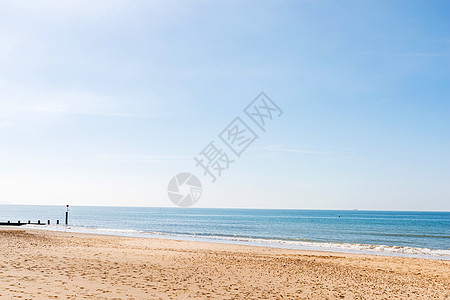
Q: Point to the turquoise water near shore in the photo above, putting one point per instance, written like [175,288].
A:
[383,232]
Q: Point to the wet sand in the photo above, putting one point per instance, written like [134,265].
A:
[37,264]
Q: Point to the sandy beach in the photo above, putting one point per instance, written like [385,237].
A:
[36,264]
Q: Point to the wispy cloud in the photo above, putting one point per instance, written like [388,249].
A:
[25,108]
[66,108]
[439,40]
[21,105]
[5,124]
[7,47]
[67,102]
[307,150]
[293,149]
[417,54]
[141,158]
[113,158]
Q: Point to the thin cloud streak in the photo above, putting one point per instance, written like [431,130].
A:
[111,158]
[142,158]
[418,54]
[308,151]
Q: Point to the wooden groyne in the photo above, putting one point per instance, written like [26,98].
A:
[18,223]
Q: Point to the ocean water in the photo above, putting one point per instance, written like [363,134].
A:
[414,234]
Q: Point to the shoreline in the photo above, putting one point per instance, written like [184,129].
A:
[363,249]
[69,265]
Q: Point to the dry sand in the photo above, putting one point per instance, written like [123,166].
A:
[36,264]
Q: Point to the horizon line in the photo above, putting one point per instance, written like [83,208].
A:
[261,208]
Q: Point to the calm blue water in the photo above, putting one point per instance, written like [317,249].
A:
[430,230]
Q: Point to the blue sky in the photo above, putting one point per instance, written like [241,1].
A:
[102,102]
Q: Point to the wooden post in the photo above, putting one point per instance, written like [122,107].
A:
[67,215]
[48,222]
[57,222]
[39,222]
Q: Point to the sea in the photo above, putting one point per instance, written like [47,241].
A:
[393,233]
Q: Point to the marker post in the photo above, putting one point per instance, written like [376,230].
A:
[67,215]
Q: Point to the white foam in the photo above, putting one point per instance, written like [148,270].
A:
[275,243]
